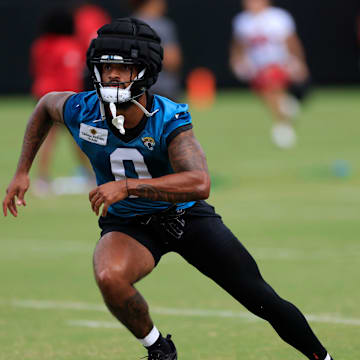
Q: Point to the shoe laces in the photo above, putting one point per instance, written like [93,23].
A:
[158,354]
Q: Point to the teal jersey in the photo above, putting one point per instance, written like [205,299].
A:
[142,153]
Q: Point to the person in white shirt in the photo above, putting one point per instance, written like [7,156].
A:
[267,53]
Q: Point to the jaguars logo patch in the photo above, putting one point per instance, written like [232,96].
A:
[149,142]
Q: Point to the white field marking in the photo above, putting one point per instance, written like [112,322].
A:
[95,324]
[44,248]
[36,304]
[32,247]
[204,313]
[285,254]
[303,254]
[63,305]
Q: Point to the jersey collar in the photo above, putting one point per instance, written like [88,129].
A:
[134,132]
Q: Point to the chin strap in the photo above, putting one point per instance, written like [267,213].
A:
[147,113]
[118,121]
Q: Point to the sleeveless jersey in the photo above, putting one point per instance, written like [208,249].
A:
[112,158]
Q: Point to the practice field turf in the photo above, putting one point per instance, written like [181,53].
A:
[297,211]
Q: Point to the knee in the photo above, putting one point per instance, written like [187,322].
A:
[112,279]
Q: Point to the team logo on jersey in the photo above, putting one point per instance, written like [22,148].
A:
[93,131]
[149,142]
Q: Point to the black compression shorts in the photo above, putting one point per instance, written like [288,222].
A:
[153,238]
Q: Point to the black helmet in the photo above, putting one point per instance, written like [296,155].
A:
[127,41]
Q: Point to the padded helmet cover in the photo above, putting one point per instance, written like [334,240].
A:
[135,41]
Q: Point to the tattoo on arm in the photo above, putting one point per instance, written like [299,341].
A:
[186,154]
[36,130]
[151,192]
[46,113]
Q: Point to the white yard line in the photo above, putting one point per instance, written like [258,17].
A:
[96,324]
[40,305]
[42,248]
[32,247]
[63,305]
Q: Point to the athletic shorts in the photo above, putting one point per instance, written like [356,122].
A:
[272,77]
[199,221]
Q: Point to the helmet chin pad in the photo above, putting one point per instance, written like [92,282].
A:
[115,94]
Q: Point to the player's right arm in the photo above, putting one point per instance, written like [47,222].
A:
[236,54]
[48,111]
[240,64]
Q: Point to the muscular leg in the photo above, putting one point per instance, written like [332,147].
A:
[215,251]
[282,132]
[273,99]
[119,262]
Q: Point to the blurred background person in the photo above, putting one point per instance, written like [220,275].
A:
[153,13]
[57,59]
[88,18]
[358,35]
[56,63]
[267,53]
[55,56]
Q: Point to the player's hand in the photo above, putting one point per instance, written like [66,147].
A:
[15,194]
[106,195]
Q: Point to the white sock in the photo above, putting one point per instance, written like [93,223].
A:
[328,357]
[151,338]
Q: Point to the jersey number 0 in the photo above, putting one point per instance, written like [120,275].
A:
[135,160]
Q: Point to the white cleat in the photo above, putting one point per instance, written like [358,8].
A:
[283,136]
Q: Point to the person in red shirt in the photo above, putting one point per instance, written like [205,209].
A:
[88,18]
[56,56]
[56,64]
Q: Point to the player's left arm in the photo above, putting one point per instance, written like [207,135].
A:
[295,46]
[172,57]
[191,180]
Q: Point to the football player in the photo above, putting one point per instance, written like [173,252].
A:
[152,182]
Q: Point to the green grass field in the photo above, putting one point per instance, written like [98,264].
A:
[289,208]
